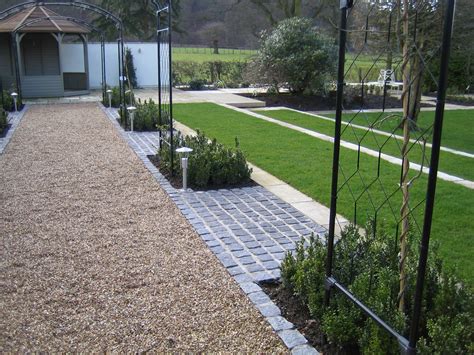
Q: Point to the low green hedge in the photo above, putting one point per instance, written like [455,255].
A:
[368,267]
[116,98]
[224,74]
[146,116]
[9,104]
[3,120]
[210,164]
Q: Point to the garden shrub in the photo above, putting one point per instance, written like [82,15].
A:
[297,55]
[146,116]
[116,97]
[3,120]
[368,267]
[231,73]
[197,84]
[8,103]
[210,164]
[130,69]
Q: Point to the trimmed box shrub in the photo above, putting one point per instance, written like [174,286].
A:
[210,164]
[368,267]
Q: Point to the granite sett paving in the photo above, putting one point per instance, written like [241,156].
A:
[249,229]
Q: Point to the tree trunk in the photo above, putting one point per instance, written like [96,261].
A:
[404,211]
[417,69]
[215,44]
[297,8]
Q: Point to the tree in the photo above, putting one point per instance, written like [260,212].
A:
[297,55]
[138,17]
[130,69]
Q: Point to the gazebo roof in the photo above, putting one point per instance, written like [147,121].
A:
[52,24]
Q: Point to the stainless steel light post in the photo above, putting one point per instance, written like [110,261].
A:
[131,111]
[15,97]
[184,164]
[109,94]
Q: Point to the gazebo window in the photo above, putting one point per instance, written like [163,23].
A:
[40,55]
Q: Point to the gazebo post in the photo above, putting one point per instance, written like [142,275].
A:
[16,62]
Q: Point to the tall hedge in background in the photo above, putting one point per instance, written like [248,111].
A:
[130,69]
[228,74]
[296,54]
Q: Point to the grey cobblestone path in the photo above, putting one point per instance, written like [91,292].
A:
[249,229]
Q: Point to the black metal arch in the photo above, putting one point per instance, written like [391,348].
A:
[163,33]
[87,6]
[80,22]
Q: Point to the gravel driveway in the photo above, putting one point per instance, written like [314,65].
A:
[94,256]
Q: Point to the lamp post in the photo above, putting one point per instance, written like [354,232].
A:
[109,94]
[131,110]
[15,96]
[184,164]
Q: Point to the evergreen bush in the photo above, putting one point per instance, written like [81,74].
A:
[130,69]
[3,120]
[210,164]
[368,267]
[295,54]
[8,103]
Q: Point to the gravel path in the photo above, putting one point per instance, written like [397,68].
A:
[94,255]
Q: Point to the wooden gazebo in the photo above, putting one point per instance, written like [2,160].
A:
[32,55]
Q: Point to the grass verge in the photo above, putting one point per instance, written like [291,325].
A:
[457,125]
[449,163]
[305,163]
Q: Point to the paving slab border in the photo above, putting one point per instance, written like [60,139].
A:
[231,243]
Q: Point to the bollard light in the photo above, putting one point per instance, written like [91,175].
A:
[131,110]
[184,164]
[109,94]
[15,96]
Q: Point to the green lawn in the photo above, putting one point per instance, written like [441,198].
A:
[306,163]
[201,55]
[449,163]
[457,125]
[368,70]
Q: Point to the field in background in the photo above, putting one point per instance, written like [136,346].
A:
[363,65]
[205,54]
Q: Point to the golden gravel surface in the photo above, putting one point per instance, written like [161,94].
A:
[96,257]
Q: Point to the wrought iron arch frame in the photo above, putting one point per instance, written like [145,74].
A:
[408,344]
[83,5]
[80,22]
[164,8]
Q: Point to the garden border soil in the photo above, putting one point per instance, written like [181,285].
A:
[324,103]
[297,313]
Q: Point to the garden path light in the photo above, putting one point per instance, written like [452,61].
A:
[15,95]
[131,111]
[184,164]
